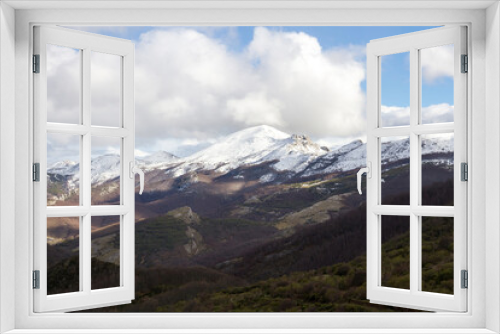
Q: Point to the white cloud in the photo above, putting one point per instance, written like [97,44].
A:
[320,91]
[400,116]
[437,113]
[62,147]
[63,84]
[437,62]
[105,145]
[105,83]
[189,85]
[255,108]
[395,116]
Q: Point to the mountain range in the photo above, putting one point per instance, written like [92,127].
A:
[292,155]
[256,209]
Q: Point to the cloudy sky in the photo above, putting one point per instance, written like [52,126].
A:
[194,85]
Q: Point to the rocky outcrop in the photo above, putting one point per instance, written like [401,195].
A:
[191,219]
[185,214]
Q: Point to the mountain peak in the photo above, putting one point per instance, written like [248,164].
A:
[156,160]
[254,145]
[259,131]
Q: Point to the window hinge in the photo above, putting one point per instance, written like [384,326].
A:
[465,64]
[36,172]
[36,279]
[465,279]
[464,171]
[36,63]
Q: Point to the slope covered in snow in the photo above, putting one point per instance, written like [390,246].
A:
[353,155]
[156,160]
[294,154]
[107,167]
[253,146]
[64,168]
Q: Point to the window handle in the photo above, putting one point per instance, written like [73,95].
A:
[136,170]
[368,171]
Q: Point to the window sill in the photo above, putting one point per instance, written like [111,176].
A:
[252,331]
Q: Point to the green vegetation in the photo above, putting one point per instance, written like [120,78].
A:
[338,288]
[64,276]
[159,233]
[56,188]
[340,184]
[396,262]
[437,257]
[437,254]
[246,265]
[232,222]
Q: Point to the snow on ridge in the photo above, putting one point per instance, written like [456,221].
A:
[353,155]
[107,167]
[104,168]
[294,153]
[66,167]
[253,146]
[157,160]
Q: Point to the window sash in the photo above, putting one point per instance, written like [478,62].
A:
[414,297]
[85,298]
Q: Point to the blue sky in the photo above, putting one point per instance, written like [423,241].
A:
[195,84]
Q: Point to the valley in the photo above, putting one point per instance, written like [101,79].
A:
[260,221]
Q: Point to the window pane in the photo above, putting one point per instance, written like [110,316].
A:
[105,170]
[106,89]
[395,90]
[437,254]
[63,169]
[396,251]
[437,84]
[437,169]
[105,252]
[395,182]
[63,255]
[63,84]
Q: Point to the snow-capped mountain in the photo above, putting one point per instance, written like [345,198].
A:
[294,154]
[64,168]
[107,167]
[353,155]
[253,146]
[156,160]
[346,157]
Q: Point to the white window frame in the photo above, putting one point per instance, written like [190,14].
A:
[415,297]
[484,267]
[85,298]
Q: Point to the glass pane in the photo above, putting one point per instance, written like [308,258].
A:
[63,255]
[396,251]
[395,158]
[63,169]
[437,84]
[437,169]
[63,84]
[437,254]
[105,170]
[105,252]
[106,89]
[395,89]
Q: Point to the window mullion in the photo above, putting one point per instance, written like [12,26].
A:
[414,173]
[85,185]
